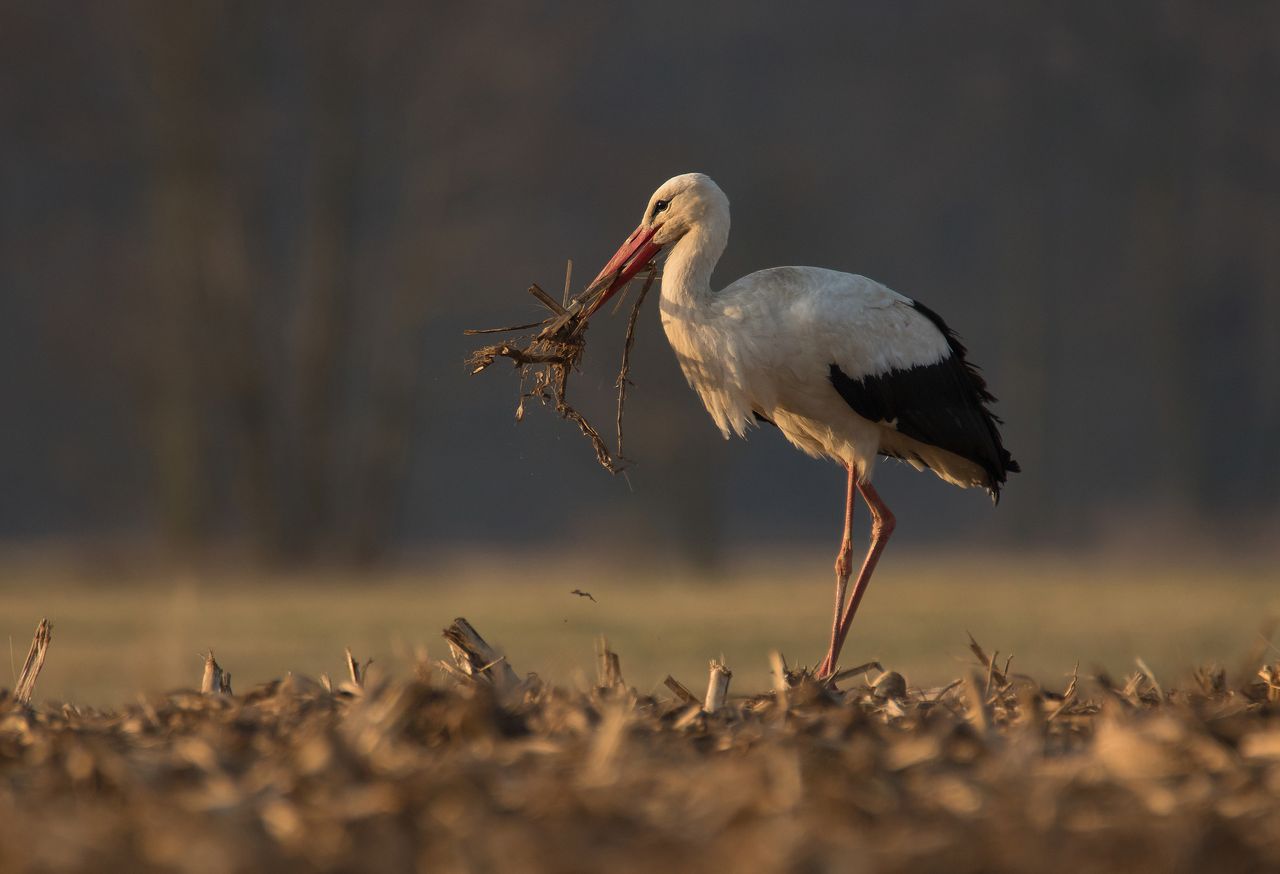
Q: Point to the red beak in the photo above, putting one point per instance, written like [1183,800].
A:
[634,255]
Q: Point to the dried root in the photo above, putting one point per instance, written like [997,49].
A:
[546,359]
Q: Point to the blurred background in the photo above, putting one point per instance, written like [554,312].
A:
[239,242]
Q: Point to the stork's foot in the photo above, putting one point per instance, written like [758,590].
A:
[826,669]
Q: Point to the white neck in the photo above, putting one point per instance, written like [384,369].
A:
[686,277]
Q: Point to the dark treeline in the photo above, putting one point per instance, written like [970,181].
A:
[239,240]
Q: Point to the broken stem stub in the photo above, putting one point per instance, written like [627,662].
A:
[31,668]
[215,681]
[478,660]
[717,687]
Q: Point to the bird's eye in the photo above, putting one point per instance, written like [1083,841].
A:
[661,206]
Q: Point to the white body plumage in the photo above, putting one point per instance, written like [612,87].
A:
[764,346]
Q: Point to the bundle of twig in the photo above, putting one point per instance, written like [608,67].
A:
[545,359]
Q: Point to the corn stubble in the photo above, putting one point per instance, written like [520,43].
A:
[469,765]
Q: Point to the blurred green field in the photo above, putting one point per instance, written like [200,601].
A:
[119,630]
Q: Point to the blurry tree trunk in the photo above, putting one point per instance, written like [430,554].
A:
[175,373]
[181,180]
[427,233]
[242,369]
[323,326]
[206,356]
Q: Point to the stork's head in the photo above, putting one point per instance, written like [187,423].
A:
[680,204]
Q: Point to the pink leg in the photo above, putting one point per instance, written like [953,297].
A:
[882,525]
[844,567]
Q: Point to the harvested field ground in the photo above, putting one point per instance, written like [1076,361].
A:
[421,768]
[994,773]
[120,630]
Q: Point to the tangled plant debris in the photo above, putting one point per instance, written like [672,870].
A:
[469,765]
[546,359]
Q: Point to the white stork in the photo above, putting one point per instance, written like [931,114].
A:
[846,368]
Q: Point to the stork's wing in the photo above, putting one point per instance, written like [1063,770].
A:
[921,384]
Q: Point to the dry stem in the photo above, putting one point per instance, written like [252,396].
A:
[216,681]
[608,667]
[35,662]
[478,660]
[356,670]
[717,686]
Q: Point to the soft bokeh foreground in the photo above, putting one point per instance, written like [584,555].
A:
[119,630]
[495,773]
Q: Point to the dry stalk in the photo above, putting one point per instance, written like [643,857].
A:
[1150,676]
[628,342]
[216,681]
[853,672]
[35,662]
[781,676]
[978,710]
[717,687]
[1270,675]
[890,685]
[546,359]
[356,670]
[681,691]
[1068,696]
[608,667]
[989,663]
[478,660]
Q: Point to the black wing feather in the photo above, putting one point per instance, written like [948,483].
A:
[942,404]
